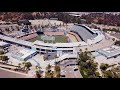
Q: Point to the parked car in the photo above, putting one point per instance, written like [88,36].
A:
[119,63]
[62,75]
[75,69]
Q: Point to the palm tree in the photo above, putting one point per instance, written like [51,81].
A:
[48,67]
[57,71]
[38,75]
[38,71]
[48,73]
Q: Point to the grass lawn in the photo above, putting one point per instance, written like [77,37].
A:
[58,39]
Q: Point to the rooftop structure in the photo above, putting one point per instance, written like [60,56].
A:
[110,51]
[23,54]
[14,40]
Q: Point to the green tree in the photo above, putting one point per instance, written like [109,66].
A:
[4,59]
[1,52]
[97,74]
[87,65]
[48,74]
[27,65]
[104,66]
[57,68]
[56,74]
[108,74]
[38,74]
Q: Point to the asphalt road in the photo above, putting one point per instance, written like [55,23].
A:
[8,74]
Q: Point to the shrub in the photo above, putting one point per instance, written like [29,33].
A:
[104,66]
[97,74]
[1,52]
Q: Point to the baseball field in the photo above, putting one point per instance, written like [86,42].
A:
[58,39]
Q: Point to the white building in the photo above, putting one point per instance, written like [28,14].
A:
[24,54]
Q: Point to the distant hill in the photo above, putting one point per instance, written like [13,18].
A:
[107,18]
[15,16]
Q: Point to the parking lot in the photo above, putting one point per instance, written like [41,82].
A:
[71,72]
[69,69]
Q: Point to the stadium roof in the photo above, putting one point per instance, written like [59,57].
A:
[83,32]
[22,42]
[110,52]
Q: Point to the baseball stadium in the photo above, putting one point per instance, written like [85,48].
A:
[55,39]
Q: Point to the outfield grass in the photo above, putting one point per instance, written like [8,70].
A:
[62,39]
[58,39]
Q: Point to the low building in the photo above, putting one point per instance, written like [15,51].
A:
[110,52]
[24,54]
[24,22]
